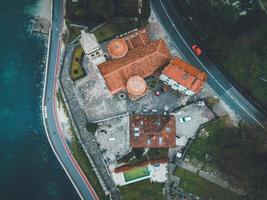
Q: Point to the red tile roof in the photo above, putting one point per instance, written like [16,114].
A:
[136,85]
[185,74]
[117,48]
[154,131]
[142,59]
[138,38]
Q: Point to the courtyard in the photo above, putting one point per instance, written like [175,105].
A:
[113,138]
[100,104]
[199,114]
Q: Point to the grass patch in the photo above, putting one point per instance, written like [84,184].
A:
[81,157]
[74,33]
[134,157]
[86,166]
[136,173]
[211,101]
[159,153]
[192,183]
[142,190]
[115,27]
[204,142]
[77,71]
[59,97]
[153,82]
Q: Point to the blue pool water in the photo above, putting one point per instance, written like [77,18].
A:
[28,167]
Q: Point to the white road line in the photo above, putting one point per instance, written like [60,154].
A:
[207,69]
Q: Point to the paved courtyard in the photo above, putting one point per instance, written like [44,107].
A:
[95,98]
[113,138]
[199,113]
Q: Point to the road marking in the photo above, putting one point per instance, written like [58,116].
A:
[68,152]
[45,111]
[206,68]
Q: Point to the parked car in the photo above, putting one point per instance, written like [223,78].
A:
[179,155]
[159,91]
[103,131]
[197,50]
[185,119]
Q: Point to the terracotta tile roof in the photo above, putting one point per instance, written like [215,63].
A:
[185,74]
[142,60]
[118,48]
[136,85]
[138,38]
[155,131]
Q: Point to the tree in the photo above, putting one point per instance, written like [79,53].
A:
[91,127]
[240,154]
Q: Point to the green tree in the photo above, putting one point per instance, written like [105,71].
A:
[240,154]
[91,127]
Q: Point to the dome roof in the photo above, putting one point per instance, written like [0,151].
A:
[117,48]
[136,85]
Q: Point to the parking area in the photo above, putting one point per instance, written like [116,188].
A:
[156,103]
[113,138]
[192,116]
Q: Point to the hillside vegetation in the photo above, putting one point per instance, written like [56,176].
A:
[85,11]
[239,153]
[235,43]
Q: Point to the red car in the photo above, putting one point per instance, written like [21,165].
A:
[197,50]
[159,91]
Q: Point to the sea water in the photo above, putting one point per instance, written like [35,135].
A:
[28,168]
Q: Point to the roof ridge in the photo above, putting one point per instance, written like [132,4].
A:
[156,51]
[160,43]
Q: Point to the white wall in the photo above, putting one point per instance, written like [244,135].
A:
[176,86]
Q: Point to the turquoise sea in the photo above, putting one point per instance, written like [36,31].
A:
[28,168]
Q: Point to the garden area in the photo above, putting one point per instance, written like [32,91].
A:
[142,190]
[77,71]
[201,151]
[137,155]
[237,152]
[192,183]
[74,32]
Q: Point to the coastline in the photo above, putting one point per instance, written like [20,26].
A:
[41,9]
[41,12]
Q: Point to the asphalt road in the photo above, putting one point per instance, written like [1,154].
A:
[53,130]
[167,14]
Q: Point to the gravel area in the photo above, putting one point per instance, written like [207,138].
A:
[113,138]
